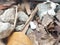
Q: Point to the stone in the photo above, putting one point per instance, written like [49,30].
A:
[5,29]
[46,7]
[22,16]
[19,27]
[51,12]
[46,20]
[32,25]
[8,15]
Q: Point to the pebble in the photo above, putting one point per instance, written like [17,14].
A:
[32,25]
[19,27]
[29,31]
[22,16]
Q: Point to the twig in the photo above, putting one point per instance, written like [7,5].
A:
[16,16]
[30,18]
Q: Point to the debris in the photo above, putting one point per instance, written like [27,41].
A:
[46,20]
[22,16]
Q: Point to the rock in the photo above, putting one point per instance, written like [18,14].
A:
[19,27]
[46,20]
[29,31]
[4,26]
[51,12]
[42,9]
[22,16]
[5,29]
[45,8]
[8,15]
[37,39]
[32,25]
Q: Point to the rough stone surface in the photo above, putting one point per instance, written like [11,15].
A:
[22,16]
[45,8]
[8,15]
[5,29]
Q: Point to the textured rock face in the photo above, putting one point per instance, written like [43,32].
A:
[22,16]
[5,29]
[8,15]
[47,7]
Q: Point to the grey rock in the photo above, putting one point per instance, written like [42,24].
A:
[22,16]
[46,20]
[19,27]
[46,7]
[29,31]
[8,15]
[5,29]
[42,9]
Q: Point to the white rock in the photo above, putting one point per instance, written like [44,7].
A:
[22,16]
[4,26]
[32,25]
[53,5]
[8,15]
[44,8]
[51,12]
[19,27]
